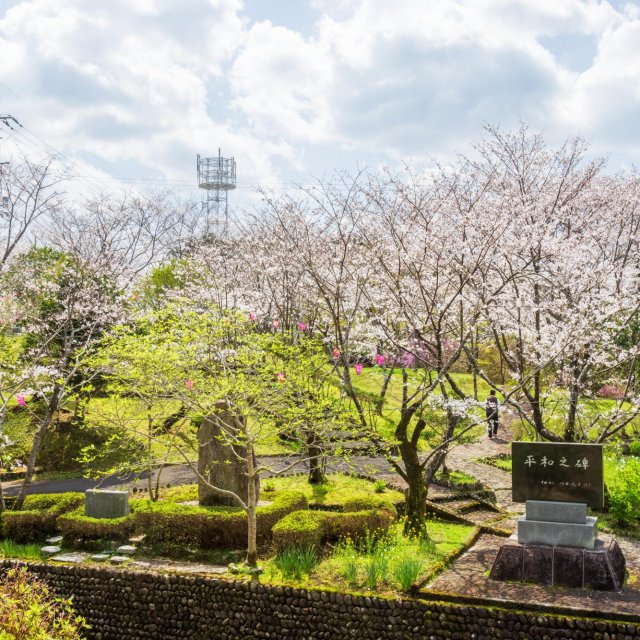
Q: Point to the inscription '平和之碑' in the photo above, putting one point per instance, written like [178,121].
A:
[558,471]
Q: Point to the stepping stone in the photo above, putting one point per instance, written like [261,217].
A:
[50,550]
[100,557]
[54,540]
[74,557]
[127,549]
[139,538]
[119,559]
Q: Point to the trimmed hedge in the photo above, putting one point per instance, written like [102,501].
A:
[211,527]
[39,516]
[75,524]
[312,528]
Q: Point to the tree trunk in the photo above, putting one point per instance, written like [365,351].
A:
[316,467]
[252,552]
[38,439]
[416,497]
[383,391]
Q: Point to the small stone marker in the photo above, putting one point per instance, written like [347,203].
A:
[106,504]
[74,557]
[50,550]
[100,557]
[54,540]
[126,549]
[119,559]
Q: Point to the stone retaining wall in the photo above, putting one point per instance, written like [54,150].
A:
[131,605]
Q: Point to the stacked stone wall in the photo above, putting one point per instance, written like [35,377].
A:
[133,605]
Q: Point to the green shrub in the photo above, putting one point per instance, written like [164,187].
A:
[76,525]
[311,528]
[39,516]
[366,503]
[624,491]
[29,611]
[168,523]
[634,448]
[299,529]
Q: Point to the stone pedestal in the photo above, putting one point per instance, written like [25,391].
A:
[557,523]
[601,568]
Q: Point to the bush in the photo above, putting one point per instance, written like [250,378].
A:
[624,491]
[76,525]
[366,503]
[39,516]
[312,528]
[28,611]
[211,527]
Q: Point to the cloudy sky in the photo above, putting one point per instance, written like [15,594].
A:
[132,90]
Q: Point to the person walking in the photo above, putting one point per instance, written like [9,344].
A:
[491,408]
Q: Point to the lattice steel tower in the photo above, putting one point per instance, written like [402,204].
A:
[217,176]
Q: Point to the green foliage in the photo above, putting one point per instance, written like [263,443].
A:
[300,528]
[634,448]
[39,516]
[11,549]
[294,562]
[624,490]
[406,571]
[29,611]
[168,523]
[380,486]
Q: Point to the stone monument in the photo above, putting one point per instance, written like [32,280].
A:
[557,542]
[99,503]
[222,459]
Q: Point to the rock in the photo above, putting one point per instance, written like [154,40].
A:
[119,559]
[74,557]
[126,549]
[220,460]
[50,550]
[54,540]
[100,557]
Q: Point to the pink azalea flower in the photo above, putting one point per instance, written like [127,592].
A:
[302,326]
[21,401]
[276,324]
[188,384]
[380,360]
[358,369]
[335,353]
[253,316]
[281,377]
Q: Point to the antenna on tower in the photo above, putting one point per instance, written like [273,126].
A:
[217,176]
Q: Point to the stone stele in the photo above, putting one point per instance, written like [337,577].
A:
[221,459]
[106,504]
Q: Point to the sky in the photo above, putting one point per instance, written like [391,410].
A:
[126,93]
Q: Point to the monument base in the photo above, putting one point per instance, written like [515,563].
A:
[602,568]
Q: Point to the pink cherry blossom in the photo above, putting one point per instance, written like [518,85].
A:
[380,360]
[358,369]
[21,401]
[302,326]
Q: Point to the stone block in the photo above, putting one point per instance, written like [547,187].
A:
[106,504]
[100,557]
[549,511]
[119,559]
[126,550]
[602,568]
[568,569]
[565,534]
[54,540]
[50,550]
[508,563]
[537,564]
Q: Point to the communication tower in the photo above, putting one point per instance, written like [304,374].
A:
[217,176]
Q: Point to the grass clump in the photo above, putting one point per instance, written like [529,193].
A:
[11,549]
[293,563]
